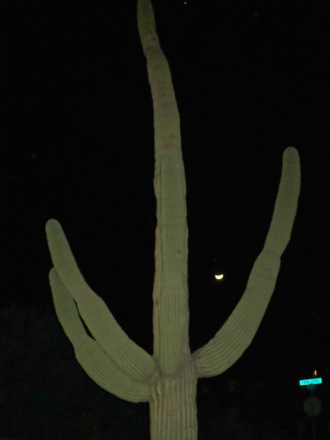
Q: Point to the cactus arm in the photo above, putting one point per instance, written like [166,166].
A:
[128,356]
[145,19]
[237,333]
[170,293]
[96,363]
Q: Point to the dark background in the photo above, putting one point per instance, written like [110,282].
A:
[77,144]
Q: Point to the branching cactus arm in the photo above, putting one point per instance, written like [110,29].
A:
[237,333]
[128,356]
[97,363]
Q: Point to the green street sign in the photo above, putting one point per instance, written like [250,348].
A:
[313,381]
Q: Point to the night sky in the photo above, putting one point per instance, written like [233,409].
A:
[77,145]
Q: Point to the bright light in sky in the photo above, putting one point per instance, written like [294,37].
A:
[219,276]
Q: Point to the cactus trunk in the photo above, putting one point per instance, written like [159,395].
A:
[173,412]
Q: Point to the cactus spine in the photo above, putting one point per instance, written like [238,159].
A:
[168,378]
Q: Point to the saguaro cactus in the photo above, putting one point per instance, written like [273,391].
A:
[167,379]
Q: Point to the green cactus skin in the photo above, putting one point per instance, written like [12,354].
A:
[168,378]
